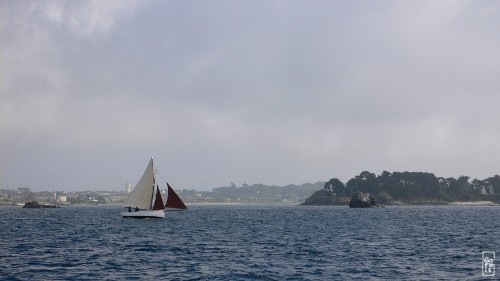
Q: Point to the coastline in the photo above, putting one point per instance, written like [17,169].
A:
[423,203]
[475,203]
[396,204]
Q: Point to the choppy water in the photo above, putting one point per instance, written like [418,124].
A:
[248,243]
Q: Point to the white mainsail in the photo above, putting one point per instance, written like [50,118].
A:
[141,196]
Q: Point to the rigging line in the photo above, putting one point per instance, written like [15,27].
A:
[156,171]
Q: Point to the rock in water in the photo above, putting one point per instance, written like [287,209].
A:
[362,200]
[36,205]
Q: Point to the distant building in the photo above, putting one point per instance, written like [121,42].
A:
[128,187]
[43,196]
[23,194]
[23,189]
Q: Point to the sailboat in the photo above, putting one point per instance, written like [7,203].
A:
[142,201]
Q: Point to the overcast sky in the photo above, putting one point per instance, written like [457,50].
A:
[273,92]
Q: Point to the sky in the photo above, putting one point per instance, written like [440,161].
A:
[272,92]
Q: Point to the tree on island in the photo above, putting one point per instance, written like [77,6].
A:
[333,193]
[320,197]
[335,187]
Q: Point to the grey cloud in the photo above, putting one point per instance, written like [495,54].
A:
[273,92]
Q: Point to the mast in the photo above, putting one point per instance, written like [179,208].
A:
[154,181]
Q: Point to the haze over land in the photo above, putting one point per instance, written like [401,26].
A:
[272,92]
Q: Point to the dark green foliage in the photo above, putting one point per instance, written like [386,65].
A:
[320,197]
[335,187]
[365,182]
[417,186]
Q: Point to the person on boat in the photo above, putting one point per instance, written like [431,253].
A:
[130,209]
[136,209]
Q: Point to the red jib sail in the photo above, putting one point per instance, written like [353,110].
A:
[158,200]
[173,200]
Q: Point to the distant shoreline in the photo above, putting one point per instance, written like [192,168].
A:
[454,203]
[475,203]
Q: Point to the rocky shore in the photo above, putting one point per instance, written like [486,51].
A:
[363,200]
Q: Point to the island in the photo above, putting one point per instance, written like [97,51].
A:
[406,188]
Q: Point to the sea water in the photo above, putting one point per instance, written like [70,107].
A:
[249,242]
